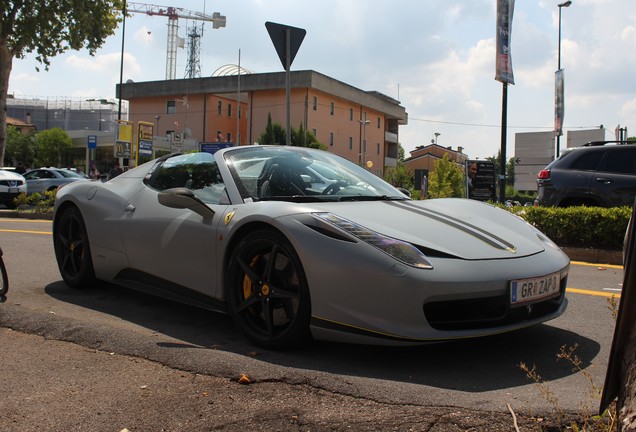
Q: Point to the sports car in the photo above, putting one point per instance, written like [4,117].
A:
[295,243]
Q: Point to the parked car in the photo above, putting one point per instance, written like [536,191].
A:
[12,184]
[41,180]
[290,255]
[601,173]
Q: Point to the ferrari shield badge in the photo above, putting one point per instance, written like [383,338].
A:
[228,217]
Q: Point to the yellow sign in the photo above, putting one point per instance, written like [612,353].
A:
[369,164]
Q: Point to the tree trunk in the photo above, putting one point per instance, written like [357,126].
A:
[6,61]
[626,404]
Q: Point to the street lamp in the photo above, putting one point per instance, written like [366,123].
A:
[558,135]
[436,135]
[157,117]
[363,150]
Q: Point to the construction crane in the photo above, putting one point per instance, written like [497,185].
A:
[173,14]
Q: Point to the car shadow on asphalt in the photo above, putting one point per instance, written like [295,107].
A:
[470,365]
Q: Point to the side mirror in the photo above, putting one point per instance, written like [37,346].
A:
[184,198]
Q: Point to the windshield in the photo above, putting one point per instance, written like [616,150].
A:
[302,175]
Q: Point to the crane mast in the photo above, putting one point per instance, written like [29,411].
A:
[173,14]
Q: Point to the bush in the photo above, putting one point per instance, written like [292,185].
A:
[42,204]
[592,227]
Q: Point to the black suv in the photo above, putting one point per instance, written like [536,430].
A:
[600,173]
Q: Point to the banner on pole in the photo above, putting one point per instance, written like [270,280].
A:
[559,106]
[503,64]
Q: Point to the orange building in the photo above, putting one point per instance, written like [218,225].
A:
[359,125]
[422,160]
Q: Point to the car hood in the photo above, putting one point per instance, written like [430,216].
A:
[463,228]
[8,175]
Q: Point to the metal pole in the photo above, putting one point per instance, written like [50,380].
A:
[287,83]
[558,137]
[502,156]
[121,62]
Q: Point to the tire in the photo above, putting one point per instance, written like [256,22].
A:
[4,278]
[266,291]
[72,249]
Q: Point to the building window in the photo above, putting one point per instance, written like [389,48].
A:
[219,107]
[171,107]
[229,110]
[331,139]
[239,111]
[378,148]
[351,114]
[229,137]
[350,143]
[315,132]
[378,122]
[315,103]
[333,108]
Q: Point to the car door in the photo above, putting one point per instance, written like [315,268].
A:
[38,180]
[175,245]
[615,181]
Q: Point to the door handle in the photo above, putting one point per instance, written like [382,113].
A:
[603,180]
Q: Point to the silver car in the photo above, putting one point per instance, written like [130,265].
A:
[48,179]
[296,243]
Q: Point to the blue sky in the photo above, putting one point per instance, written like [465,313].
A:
[436,56]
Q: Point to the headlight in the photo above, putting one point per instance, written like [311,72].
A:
[401,251]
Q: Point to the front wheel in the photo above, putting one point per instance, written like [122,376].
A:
[4,278]
[266,291]
[72,249]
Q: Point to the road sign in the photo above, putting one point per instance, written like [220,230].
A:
[92,141]
[278,34]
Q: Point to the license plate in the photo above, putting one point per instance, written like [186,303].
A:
[14,190]
[526,290]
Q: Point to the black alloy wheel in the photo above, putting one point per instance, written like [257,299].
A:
[4,278]
[266,291]
[72,249]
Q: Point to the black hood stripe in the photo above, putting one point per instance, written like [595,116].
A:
[475,231]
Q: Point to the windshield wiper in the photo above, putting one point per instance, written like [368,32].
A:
[297,198]
[371,198]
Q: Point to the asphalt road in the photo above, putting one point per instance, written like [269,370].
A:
[479,374]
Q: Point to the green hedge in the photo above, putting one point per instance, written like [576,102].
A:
[591,227]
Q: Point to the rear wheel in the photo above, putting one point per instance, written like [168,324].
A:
[266,291]
[72,249]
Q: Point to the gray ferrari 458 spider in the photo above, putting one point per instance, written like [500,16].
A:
[297,243]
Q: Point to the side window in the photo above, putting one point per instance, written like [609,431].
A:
[315,103]
[207,184]
[197,172]
[622,162]
[587,161]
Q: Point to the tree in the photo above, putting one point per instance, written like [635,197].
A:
[446,180]
[50,145]
[20,147]
[275,133]
[398,176]
[48,29]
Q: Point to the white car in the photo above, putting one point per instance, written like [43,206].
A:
[11,185]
